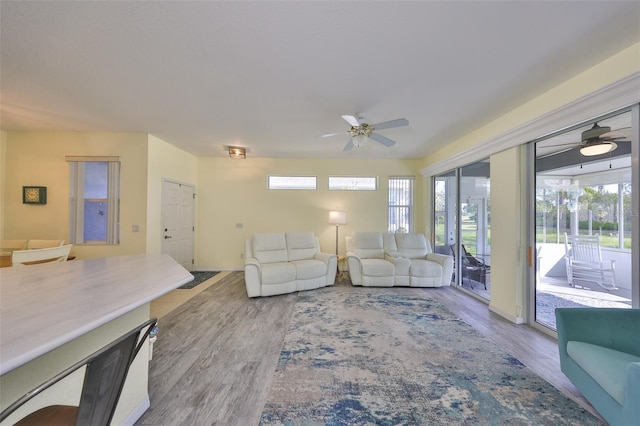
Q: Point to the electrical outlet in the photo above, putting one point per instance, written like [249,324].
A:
[239,226]
[241,255]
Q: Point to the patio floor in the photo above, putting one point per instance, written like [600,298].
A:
[552,293]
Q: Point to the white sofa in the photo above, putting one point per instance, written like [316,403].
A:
[377,259]
[279,263]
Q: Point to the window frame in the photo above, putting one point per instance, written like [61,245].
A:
[309,188]
[77,199]
[410,207]
[354,183]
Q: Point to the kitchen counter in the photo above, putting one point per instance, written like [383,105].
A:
[54,314]
[45,306]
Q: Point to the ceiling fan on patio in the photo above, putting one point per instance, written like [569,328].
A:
[597,140]
[361,131]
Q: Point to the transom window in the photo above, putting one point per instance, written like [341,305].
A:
[353,183]
[291,182]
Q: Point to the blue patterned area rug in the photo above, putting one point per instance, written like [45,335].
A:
[369,356]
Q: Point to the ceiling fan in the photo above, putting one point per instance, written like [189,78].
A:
[361,131]
[597,140]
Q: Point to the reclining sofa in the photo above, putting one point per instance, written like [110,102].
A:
[600,354]
[377,259]
[279,263]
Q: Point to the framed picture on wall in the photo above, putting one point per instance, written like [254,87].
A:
[34,195]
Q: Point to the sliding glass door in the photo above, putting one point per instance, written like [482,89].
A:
[462,224]
[583,218]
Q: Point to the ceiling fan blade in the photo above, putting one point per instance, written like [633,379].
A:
[382,139]
[351,120]
[623,135]
[348,146]
[390,124]
[333,134]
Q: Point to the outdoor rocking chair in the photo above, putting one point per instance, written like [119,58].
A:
[583,259]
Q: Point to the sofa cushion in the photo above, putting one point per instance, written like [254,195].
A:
[368,245]
[377,268]
[301,245]
[425,268]
[269,248]
[606,366]
[278,273]
[413,246]
[309,268]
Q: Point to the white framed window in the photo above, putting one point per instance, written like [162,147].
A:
[401,204]
[353,183]
[291,182]
[94,200]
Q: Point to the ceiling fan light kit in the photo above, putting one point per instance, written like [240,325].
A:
[237,153]
[598,148]
[361,131]
[594,143]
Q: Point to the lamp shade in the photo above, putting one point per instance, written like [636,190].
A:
[337,217]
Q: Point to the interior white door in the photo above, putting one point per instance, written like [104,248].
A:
[178,222]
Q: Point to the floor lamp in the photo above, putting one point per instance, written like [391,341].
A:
[337,218]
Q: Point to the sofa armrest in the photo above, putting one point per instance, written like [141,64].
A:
[331,260]
[325,257]
[613,328]
[446,262]
[354,265]
[631,410]
[437,257]
[252,272]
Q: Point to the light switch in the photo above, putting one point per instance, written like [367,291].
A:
[135,228]
[239,225]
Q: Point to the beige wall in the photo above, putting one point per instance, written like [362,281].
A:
[3,168]
[165,162]
[235,192]
[507,246]
[38,158]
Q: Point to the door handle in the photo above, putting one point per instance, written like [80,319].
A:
[166,237]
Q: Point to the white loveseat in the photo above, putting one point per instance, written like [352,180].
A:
[279,263]
[377,259]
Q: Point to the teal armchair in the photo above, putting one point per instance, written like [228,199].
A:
[600,353]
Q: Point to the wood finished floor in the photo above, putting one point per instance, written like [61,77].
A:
[216,355]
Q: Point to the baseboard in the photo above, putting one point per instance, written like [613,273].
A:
[133,417]
[514,319]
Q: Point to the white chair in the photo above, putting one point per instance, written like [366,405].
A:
[38,244]
[52,254]
[583,259]
[8,246]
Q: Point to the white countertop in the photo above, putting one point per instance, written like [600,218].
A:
[42,307]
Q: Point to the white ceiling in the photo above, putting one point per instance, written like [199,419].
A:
[274,76]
